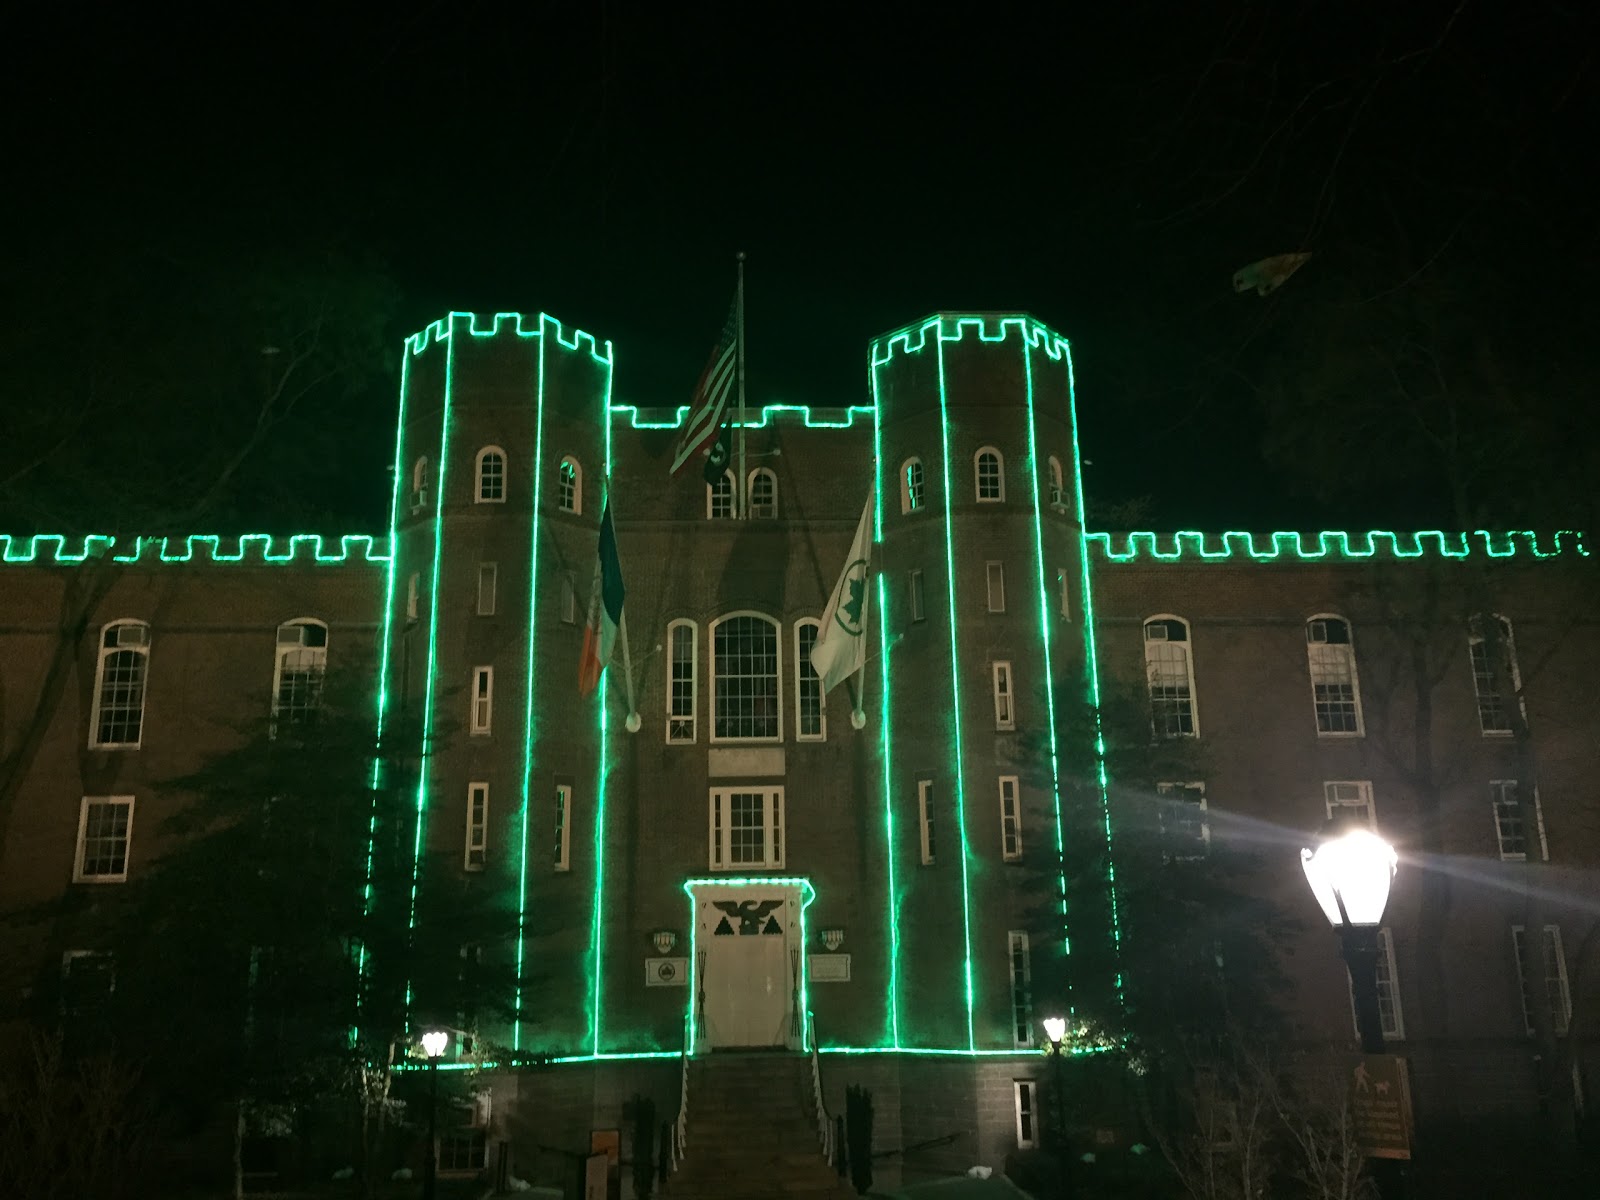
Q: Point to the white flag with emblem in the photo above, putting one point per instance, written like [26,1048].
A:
[841,648]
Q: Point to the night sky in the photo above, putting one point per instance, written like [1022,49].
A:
[1104,167]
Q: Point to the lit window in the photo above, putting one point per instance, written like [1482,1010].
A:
[720,497]
[927,845]
[1185,832]
[569,486]
[488,585]
[745,696]
[105,832]
[1021,989]
[1510,829]
[301,662]
[763,495]
[1495,674]
[491,475]
[913,486]
[1550,972]
[477,825]
[995,577]
[986,466]
[681,637]
[746,828]
[1391,1016]
[919,605]
[1335,692]
[810,716]
[563,848]
[1025,1093]
[1350,801]
[419,484]
[118,714]
[1171,677]
[1058,493]
[482,698]
[1005,716]
[1010,819]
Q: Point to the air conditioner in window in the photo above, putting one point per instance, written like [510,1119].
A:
[133,635]
[419,499]
[1055,496]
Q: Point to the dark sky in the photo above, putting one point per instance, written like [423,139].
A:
[1105,167]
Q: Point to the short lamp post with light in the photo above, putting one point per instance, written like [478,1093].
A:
[1055,1030]
[433,1044]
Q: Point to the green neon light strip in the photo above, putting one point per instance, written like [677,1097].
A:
[255,548]
[504,322]
[769,412]
[603,770]
[1193,546]
[892,895]
[642,1055]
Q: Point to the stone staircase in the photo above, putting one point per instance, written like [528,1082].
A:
[752,1131]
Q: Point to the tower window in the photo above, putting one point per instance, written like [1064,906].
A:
[913,486]
[477,841]
[569,486]
[988,469]
[491,476]
[1058,493]
[482,699]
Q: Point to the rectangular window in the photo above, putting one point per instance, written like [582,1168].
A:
[1004,715]
[119,687]
[463,1138]
[1394,1028]
[1025,1092]
[1491,685]
[487,579]
[1509,828]
[482,699]
[746,828]
[477,825]
[1549,975]
[1185,833]
[88,978]
[1010,819]
[811,720]
[926,844]
[680,681]
[569,599]
[996,578]
[919,600]
[413,592]
[1350,800]
[1021,989]
[563,859]
[1063,594]
[105,831]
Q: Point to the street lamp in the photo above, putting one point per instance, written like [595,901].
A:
[433,1044]
[1350,873]
[1055,1029]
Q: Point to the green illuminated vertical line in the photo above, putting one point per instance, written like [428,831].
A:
[892,897]
[596,923]
[955,690]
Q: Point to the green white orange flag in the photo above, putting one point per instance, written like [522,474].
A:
[841,648]
[605,609]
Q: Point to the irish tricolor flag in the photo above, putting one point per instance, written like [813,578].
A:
[605,609]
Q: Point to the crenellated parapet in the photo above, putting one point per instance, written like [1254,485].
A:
[301,549]
[1194,546]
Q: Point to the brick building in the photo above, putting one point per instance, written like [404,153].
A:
[746,855]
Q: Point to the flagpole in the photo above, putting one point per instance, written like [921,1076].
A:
[742,487]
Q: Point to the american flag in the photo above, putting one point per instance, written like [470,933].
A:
[710,403]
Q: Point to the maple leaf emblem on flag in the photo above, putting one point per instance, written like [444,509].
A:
[849,614]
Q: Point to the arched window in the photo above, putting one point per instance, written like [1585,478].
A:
[301,661]
[763,495]
[681,637]
[1058,491]
[116,722]
[719,498]
[1170,672]
[913,488]
[1496,677]
[1335,691]
[810,713]
[491,476]
[569,486]
[987,468]
[746,698]
[419,484]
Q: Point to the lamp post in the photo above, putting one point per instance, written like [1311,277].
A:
[433,1044]
[1055,1029]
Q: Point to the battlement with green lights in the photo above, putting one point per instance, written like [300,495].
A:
[1193,546]
[510,325]
[259,549]
[969,327]
[812,416]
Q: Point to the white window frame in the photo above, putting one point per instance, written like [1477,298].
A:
[1025,1104]
[78,863]
[488,588]
[1019,975]
[919,596]
[761,511]
[419,484]
[1010,795]
[575,494]
[1156,667]
[476,849]
[563,847]
[1057,484]
[805,675]
[977,475]
[711,666]
[482,709]
[1063,593]
[480,477]
[1502,703]
[927,836]
[1504,792]
[913,496]
[569,598]
[1337,797]
[682,720]
[314,659]
[413,595]
[1187,788]
[994,579]
[726,489]
[721,828]
[1557,991]
[1394,1023]
[1332,664]
[126,635]
[1005,695]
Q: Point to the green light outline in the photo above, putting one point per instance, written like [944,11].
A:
[768,411]
[196,547]
[892,895]
[603,766]
[1196,546]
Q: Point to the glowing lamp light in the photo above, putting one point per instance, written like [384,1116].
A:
[1350,876]
[1055,1028]
[434,1042]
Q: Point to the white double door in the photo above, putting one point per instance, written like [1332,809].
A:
[747,964]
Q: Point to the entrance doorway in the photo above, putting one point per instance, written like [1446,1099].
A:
[748,954]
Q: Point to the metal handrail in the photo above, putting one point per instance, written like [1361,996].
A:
[825,1134]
